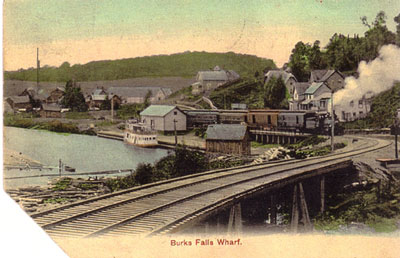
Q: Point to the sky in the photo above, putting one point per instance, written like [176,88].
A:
[79,31]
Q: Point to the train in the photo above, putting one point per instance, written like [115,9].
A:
[266,119]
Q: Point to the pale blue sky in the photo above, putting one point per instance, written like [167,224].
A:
[80,31]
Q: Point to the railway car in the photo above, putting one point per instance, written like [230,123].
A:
[301,121]
[201,118]
[232,116]
[307,122]
[266,119]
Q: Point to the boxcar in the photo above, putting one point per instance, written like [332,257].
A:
[266,119]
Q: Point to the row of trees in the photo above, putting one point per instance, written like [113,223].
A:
[181,65]
[343,53]
[74,99]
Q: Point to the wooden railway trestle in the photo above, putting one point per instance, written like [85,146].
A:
[172,205]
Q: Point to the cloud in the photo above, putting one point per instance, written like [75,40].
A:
[375,76]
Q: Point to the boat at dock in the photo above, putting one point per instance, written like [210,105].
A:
[139,134]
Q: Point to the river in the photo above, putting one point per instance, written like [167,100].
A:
[82,152]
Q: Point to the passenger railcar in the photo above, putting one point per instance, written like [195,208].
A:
[201,118]
[232,116]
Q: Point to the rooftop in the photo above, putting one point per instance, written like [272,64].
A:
[278,73]
[313,88]
[157,110]
[226,132]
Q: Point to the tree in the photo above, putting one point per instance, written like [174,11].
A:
[106,105]
[397,20]
[275,93]
[73,97]
[147,99]
[144,173]
[305,58]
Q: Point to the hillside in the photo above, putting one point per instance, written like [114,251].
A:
[383,110]
[176,65]
[248,92]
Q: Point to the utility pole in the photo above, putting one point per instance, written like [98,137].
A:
[176,137]
[396,129]
[332,124]
[59,167]
[112,110]
[37,67]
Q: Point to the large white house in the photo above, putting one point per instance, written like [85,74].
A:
[164,118]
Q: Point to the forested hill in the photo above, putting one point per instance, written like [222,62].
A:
[182,65]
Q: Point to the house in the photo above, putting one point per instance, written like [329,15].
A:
[209,80]
[333,78]
[355,109]
[37,95]
[228,139]
[197,88]
[19,103]
[287,78]
[56,95]
[50,111]
[298,95]
[129,95]
[164,118]
[97,98]
[316,97]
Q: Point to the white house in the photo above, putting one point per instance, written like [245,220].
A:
[317,97]
[355,109]
[130,95]
[164,118]
[287,78]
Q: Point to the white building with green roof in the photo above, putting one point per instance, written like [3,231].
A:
[164,118]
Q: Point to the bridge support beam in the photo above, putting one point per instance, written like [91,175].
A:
[235,219]
[322,188]
[273,209]
[300,206]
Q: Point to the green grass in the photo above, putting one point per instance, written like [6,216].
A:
[85,186]
[383,225]
[78,115]
[105,123]
[62,184]
[56,200]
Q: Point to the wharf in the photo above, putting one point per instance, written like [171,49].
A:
[191,142]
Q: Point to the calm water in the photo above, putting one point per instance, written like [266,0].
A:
[85,153]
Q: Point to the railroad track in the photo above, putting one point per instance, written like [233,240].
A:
[163,206]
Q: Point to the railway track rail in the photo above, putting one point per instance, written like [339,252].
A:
[164,206]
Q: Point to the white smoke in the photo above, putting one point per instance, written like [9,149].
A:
[375,76]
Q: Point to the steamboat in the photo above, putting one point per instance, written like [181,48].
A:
[139,134]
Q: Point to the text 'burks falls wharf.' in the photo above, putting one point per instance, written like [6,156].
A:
[205,242]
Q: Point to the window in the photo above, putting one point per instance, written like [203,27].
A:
[360,103]
[175,113]
[254,118]
[297,119]
[269,119]
[351,103]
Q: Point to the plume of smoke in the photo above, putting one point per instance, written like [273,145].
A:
[375,76]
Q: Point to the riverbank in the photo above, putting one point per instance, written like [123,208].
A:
[12,158]
[60,191]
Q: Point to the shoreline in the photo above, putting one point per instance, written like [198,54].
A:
[14,158]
